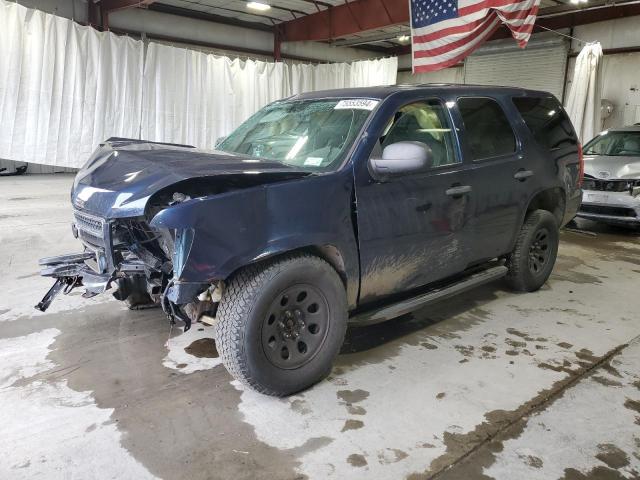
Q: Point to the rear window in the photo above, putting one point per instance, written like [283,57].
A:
[546,120]
[487,128]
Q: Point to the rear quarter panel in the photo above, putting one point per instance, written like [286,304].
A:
[558,167]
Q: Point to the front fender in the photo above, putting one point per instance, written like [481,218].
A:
[237,228]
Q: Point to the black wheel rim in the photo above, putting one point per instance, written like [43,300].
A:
[295,326]
[539,251]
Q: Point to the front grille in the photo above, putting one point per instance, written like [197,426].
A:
[605,210]
[609,185]
[88,223]
[90,228]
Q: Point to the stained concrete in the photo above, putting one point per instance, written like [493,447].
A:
[490,384]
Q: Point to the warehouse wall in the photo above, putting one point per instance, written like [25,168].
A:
[620,71]
[447,75]
[619,33]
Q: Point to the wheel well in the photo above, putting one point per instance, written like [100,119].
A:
[551,200]
[328,253]
[332,256]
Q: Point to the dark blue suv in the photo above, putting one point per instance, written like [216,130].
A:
[347,205]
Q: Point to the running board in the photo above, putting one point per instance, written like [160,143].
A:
[406,306]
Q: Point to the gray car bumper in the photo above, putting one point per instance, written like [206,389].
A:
[610,207]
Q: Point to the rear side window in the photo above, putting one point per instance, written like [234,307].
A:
[547,121]
[487,128]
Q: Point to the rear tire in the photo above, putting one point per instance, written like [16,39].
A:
[282,323]
[534,255]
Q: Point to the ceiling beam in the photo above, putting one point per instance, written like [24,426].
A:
[108,6]
[111,5]
[347,19]
[209,17]
[373,38]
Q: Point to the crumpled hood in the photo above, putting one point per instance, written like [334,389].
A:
[612,167]
[123,174]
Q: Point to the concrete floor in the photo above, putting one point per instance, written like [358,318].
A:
[486,385]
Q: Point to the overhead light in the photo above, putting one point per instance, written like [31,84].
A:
[262,7]
[403,38]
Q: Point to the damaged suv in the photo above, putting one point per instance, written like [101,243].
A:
[350,205]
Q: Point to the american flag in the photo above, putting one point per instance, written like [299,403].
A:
[443,32]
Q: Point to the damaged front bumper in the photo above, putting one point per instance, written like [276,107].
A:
[620,208]
[132,259]
[74,270]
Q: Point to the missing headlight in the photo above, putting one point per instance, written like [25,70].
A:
[181,249]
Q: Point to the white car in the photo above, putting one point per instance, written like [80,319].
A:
[611,188]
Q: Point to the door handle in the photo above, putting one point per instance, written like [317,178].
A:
[458,190]
[522,175]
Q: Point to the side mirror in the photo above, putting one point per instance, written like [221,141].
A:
[401,158]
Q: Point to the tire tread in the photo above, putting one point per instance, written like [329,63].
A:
[235,307]
[516,275]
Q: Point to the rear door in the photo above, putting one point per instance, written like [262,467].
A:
[552,148]
[412,229]
[497,175]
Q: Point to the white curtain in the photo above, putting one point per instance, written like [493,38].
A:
[364,73]
[175,106]
[63,87]
[583,101]
[194,98]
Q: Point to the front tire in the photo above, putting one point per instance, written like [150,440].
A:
[534,255]
[282,323]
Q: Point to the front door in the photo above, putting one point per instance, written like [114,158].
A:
[411,229]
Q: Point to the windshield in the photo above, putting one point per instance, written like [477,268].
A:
[624,144]
[311,134]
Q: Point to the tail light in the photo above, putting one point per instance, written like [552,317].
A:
[580,165]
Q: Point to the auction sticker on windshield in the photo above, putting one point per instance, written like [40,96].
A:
[314,161]
[357,104]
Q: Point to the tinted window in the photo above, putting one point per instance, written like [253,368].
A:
[620,144]
[547,121]
[488,131]
[424,122]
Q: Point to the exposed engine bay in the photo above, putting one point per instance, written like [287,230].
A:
[135,260]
